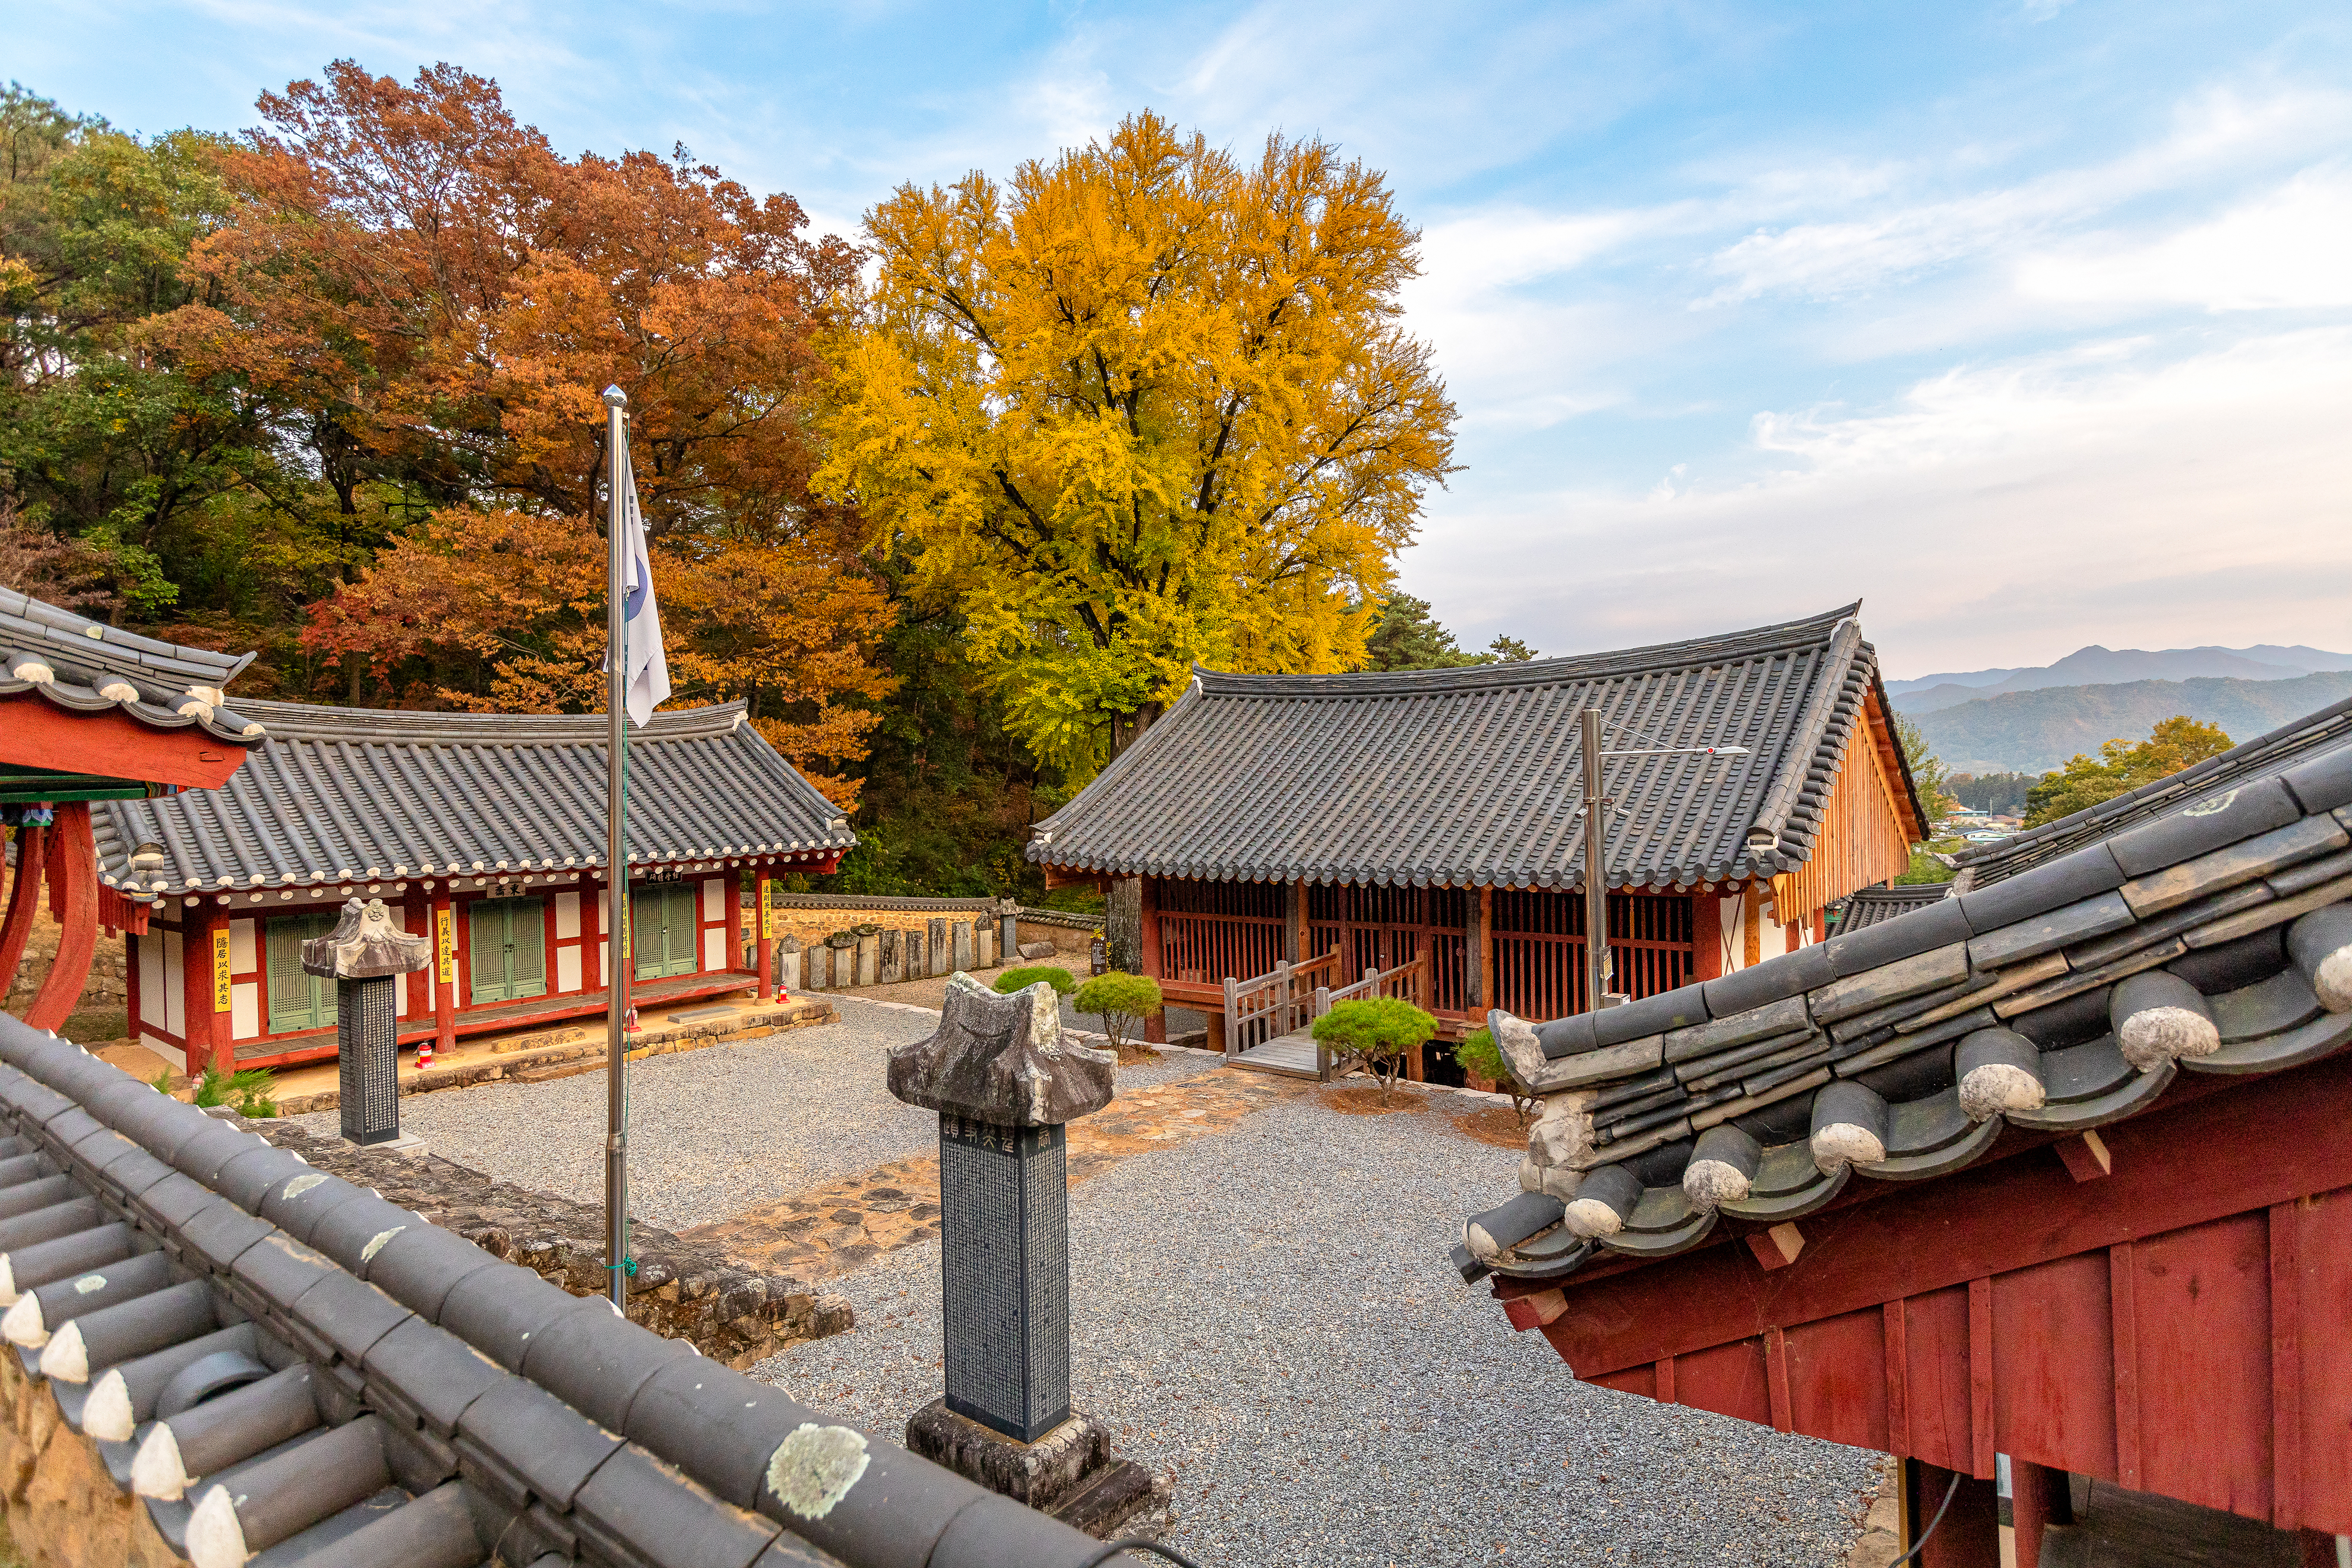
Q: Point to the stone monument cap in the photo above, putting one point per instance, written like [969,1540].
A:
[365,944]
[1002,1060]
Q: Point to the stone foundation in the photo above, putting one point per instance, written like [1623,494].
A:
[683,1289]
[63,1510]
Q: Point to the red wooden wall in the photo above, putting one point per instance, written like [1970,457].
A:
[2181,1326]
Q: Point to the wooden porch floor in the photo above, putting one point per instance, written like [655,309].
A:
[1291,1055]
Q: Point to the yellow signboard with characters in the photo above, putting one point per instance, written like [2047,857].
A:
[445,929]
[220,970]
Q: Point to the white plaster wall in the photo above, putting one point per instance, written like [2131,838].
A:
[245,1010]
[241,959]
[168,1051]
[567,917]
[714,940]
[714,898]
[567,969]
[154,1006]
[175,987]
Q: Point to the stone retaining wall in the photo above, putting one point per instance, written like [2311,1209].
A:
[63,1510]
[686,1290]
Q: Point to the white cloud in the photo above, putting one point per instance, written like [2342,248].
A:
[2292,249]
[2219,133]
[2110,494]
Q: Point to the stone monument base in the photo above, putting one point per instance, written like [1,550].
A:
[1069,1472]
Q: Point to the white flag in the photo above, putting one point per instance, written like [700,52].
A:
[648,674]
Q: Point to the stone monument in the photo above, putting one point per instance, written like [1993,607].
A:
[1005,1083]
[362,956]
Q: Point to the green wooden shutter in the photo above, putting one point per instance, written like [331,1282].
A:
[298,999]
[526,947]
[684,912]
[647,906]
[486,952]
[289,986]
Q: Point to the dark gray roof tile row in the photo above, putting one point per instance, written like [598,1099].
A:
[283,1367]
[87,667]
[1869,905]
[2204,928]
[1472,776]
[346,793]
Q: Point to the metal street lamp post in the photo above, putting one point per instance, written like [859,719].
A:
[1598,964]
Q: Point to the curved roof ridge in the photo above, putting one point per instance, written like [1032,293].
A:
[313,722]
[1805,633]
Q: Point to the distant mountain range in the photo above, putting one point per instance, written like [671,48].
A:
[2096,665]
[2034,730]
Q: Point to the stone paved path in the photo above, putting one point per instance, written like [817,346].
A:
[829,1230]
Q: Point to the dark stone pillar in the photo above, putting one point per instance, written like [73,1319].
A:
[1005,1267]
[1005,1083]
[362,956]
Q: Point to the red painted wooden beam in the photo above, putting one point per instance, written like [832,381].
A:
[74,872]
[35,733]
[23,901]
[2263,1141]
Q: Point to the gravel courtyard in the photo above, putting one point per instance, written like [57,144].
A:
[1266,1313]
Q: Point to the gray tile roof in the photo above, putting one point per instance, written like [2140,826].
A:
[1869,905]
[346,792]
[285,1368]
[85,666]
[1471,777]
[2205,927]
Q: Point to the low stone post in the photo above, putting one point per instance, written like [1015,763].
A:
[869,957]
[788,964]
[941,959]
[1004,1081]
[918,963]
[894,964]
[362,956]
[983,945]
[820,966]
[1008,929]
[965,956]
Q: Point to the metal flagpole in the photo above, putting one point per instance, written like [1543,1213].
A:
[616,855]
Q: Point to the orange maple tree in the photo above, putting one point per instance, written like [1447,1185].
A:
[432,300]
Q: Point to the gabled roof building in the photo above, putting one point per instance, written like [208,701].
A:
[485,830]
[1433,817]
[2051,1167]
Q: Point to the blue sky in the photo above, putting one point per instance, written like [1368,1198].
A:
[2029,322]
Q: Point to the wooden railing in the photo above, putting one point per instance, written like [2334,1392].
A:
[1272,1005]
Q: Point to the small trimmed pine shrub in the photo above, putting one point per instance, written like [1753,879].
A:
[1122,1001]
[1481,1057]
[1377,1031]
[1014,980]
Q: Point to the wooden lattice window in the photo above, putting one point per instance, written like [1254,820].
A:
[1380,927]
[1211,932]
[1537,948]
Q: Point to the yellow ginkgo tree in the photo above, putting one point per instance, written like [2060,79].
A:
[1144,404]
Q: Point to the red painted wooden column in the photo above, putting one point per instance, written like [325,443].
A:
[1970,1535]
[24,902]
[444,972]
[207,1004]
[73,873]
[759,931]
[1155,1028]
[2039,1499]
